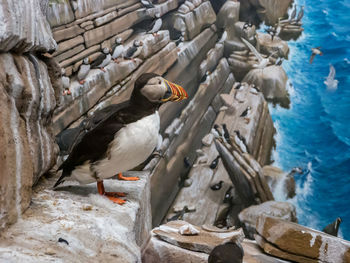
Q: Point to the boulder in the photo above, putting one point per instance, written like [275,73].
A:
[59,13]
[249,215]
[267,46]
[24,27]
[293,240]
[272,81]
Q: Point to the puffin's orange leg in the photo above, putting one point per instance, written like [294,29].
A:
[110,195]
[121,177]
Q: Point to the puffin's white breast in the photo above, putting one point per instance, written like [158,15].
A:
[131,146]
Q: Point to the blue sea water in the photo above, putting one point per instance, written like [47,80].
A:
[315,132]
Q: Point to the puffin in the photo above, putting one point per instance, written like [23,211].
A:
[134,51]
[65,83]
[156,25]
[214,163]
[117,49]
[217,186]
[315,51]
[293,14]
[84,70]
[122,138]
[240,141]
[102,60]
[333,228]
[246,112]
[226,134]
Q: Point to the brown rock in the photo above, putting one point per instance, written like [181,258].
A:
[67,33]
[105,19]
[205,241]
[69,44]
[68,54]
[86,23]
[302,241]
[275,176]
[80,56]
[267,46]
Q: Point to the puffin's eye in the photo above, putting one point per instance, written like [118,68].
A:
[160,82]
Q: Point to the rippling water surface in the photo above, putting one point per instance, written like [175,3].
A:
[315,132]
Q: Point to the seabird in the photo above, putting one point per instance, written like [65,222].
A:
[134,50]
[254,89]
[332,229]
[228,195]
[240,141]
[102,60]
[214,163]
[205,76]
[156,25]
[179,40]
[122,139]
[83,70]
[117,49]
[272,31]
[216,127]
[217,186]
[300,14]
[293,14]
[226,134]
[246,112]
[279,61]
[179,215]
[147,3]
[187,162]
[238,86]
[263,62]
[315,51]
[65,83]
[331,82]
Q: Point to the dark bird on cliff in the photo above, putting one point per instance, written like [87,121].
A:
[333,228]
[123,138]
[240,141]
[271,31]
[238,86]
[216,127]
[179,40]
[156,25]
[230,252]
[294,13]
[187,162]
[180,215]
[246,112]
[205,77]
[228,195]
[279,61]
[315,51]
[247,24]
[217,186]
[134,50]
[214,163]
[226,134]
[102,60]
[300,14]
[117,49]
[147,3]
[84,70]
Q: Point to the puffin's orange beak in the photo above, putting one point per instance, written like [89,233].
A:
[176,92]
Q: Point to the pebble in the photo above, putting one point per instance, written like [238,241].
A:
[50,251]
[188,230]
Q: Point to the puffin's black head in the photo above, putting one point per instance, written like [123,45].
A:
[152,90]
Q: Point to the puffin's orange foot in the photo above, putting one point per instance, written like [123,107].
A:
[121,177]
[103,69]
[82,82]
[120,194]
[116,200]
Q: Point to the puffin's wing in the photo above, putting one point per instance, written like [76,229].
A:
[91,147]
[331,72]
[98,61]
[130,51]
[156,25]
[312,57]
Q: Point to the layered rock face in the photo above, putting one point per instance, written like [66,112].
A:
[27,103]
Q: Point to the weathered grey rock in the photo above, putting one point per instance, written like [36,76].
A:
[227,17]
[24,27]
[62,58]
[208,139]
[264,10]
[296,241]
[205,241]
[123,35]
[158,250]
[213,57]
[93,226]
[59,13]
[87,23]
[26,139]
[67,33]
[105,19]
[69,44]
[193,22]
[249,216]
[267,46]
[272,82]
[80,56]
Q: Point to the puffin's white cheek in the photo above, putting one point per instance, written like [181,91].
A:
[153,93]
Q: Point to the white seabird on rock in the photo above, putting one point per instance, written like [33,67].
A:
[147,3]
[83,70]
[102,60]
[263,62]
[134,51]
[117,49]
[156,25]
[240,141]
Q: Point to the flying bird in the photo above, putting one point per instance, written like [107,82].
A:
[102,60]
[263,62]
[315,51]
[330,81]
[117,49]
[123,138]
[240,141]
[84,70]
[156,25]
[134,50]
